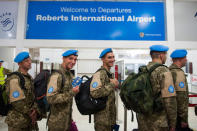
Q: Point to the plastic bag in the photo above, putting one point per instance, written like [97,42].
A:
[73,126]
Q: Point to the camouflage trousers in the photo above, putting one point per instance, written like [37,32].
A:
[99,127]
[58,129]
[144,125]
[153,129]
[23,129]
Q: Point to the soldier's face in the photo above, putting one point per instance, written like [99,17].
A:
[183,61]
[25,64]
[0,64]
[109,59]
[70,61]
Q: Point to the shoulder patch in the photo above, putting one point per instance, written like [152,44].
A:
[171,89]
[16,93]
[180,83]
[167,89]
[50,90]
[94,85]
[52,85]
[96,82]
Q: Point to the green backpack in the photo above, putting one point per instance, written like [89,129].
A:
[136,92]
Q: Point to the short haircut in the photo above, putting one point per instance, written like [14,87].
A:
[155,54]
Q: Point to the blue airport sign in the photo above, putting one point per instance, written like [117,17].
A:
[93,20]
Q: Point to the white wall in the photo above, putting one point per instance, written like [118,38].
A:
[7,55]
[192,54]
[185,21]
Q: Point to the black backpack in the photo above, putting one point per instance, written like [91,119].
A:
[40,89]
[4,103]
[86,104]
[40,84]
[4,106]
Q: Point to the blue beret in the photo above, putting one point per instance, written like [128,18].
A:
[159,48]
[21,56]
[70,52]
[1,61]
[105,51]
[179,53]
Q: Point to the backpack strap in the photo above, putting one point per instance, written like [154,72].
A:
[85,76]
[154,67]
[22,79]
[108,74]
[90,119]
[174,68]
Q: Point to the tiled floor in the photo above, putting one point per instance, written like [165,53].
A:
[83,124]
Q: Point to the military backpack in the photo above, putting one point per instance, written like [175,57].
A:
[136,91]
[86,104]
[40,90]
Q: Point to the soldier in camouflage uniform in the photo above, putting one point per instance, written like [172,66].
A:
[60,95]
[163,88]
[102,86]
[24,112]
[179,60]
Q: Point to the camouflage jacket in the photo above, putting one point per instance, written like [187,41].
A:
[162,86]
[60,99]
[22,101]
[181,87]
[104,88]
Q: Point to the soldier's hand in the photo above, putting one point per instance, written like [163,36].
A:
[75,89]
[115,82]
